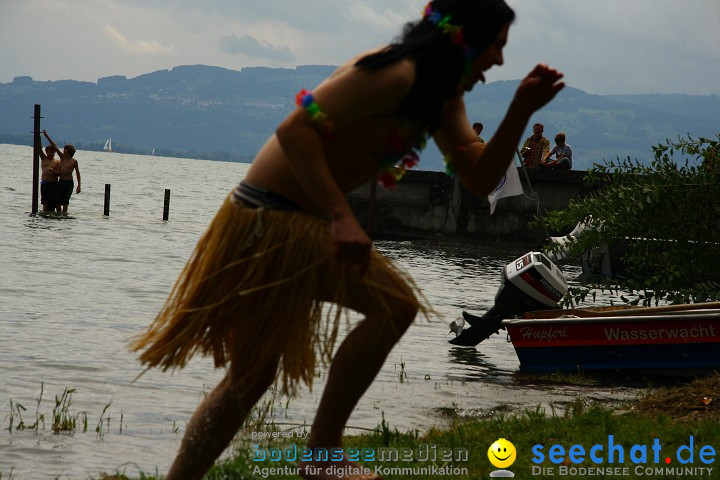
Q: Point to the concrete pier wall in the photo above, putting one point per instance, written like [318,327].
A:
[430,204]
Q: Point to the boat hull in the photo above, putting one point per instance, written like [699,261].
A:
[666,340]
[621,357]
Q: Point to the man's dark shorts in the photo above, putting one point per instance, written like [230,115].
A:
[65,190]
[49,194]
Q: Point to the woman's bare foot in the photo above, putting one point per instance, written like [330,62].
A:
[336,470]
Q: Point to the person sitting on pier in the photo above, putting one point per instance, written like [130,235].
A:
[535,147]
[68,164]
[50,174]
[478,128]
[562,152]
[286,241]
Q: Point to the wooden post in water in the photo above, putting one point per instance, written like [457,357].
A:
[166,207]
[107,200]
[37,146]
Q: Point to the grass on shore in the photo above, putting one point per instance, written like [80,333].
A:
[672,415]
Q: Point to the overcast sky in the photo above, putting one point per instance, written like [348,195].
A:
[602,46]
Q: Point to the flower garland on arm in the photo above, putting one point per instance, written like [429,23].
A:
[305,99]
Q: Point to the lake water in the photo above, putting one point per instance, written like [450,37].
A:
[74,290]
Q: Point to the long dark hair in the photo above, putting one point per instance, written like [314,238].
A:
[440,63]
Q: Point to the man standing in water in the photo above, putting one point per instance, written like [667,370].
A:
[50,168]
[67,165]
[285,242]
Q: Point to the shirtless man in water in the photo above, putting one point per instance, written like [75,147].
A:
[50,168]
[67,165]
[286,241]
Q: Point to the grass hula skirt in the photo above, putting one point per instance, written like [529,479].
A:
[255,286]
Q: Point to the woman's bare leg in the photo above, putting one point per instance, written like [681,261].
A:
[355,365]
[216,421]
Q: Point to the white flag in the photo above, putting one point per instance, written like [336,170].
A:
[509,186]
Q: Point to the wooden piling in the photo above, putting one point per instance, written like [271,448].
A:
[166,207]
[37,146]
[106,210]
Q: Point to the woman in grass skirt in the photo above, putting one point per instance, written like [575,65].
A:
[284,257]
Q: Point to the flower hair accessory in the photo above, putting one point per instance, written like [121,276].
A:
[455,32]
[305,99]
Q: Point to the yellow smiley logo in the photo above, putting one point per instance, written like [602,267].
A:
[502,453]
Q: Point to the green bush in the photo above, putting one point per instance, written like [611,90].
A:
[665,213]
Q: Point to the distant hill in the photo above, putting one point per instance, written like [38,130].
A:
[602,126]
[211,112]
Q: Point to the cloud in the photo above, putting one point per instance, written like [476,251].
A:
[616,46]
[145,47]
[380,18]
[251,46]
[607,46]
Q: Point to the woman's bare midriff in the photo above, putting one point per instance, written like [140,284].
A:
[353,157]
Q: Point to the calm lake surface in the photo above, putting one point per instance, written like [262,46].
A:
[74,290]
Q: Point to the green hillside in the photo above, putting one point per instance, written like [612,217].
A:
[212,112]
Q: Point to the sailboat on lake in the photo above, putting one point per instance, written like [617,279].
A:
[108,145]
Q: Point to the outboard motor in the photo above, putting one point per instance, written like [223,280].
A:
[532,282]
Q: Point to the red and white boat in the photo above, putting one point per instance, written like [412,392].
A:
[613,338]
[602,338]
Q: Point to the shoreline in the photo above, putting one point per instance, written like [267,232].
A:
[668,420]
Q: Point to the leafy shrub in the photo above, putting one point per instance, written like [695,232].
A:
[666,213]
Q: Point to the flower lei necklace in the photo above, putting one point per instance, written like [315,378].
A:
[393,169]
